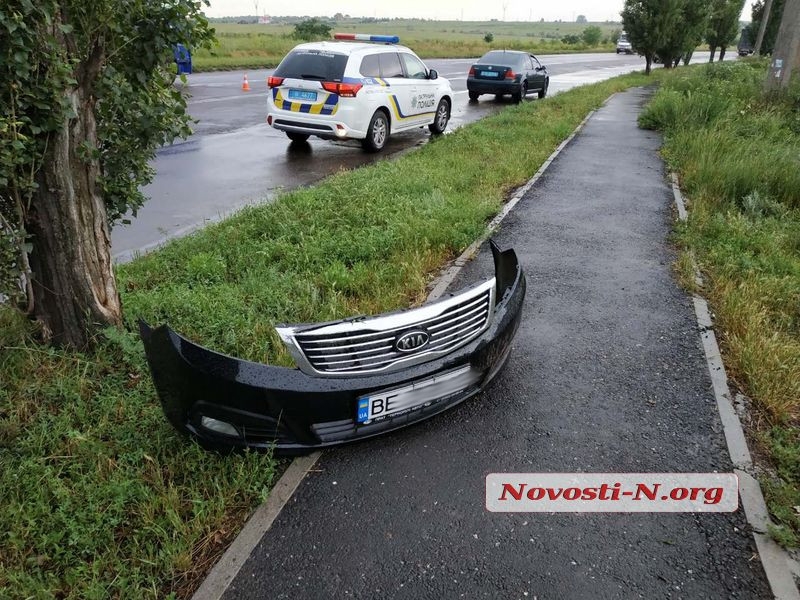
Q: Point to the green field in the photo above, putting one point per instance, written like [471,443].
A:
[253,45]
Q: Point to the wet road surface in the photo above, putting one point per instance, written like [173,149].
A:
[607,374]
[235,159]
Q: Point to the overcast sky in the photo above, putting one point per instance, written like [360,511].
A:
[444,10]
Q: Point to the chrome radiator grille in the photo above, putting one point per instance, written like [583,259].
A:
[371,345]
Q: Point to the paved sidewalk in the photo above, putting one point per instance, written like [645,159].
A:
[607,375]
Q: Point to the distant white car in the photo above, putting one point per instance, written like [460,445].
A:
[356,90]
[623,44]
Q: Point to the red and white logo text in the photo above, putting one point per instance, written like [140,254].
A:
[612,492]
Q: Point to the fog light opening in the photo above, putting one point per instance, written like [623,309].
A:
[218,426]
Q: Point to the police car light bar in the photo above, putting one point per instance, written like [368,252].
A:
[365,37]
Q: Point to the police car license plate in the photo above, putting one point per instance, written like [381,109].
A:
[302,95]
[490,74]
[389,403]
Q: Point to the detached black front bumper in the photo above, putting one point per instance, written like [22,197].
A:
[226,403]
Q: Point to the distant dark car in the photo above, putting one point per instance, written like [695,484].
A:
[507,72]
[745,46]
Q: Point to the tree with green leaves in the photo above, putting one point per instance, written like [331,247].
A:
[86,98]
[723,25]
[695,23]
[592,35]
[312,29]
[651,26]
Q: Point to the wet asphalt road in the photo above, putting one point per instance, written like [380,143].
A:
[235,159]
[607,374]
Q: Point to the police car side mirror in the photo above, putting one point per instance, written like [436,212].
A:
[433,74]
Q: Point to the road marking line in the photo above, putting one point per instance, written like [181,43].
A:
[777,563]
[226,98]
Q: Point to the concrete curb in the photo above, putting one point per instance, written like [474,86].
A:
[235,556]
[777,563]
[227,567]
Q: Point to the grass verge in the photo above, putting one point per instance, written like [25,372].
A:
[738,154]
[100,497]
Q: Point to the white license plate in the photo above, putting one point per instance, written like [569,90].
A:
[388,403]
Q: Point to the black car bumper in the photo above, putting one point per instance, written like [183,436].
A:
[226,403]
[489,86]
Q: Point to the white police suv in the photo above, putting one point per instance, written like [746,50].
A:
[351,89]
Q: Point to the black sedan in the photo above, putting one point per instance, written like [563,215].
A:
[507,72]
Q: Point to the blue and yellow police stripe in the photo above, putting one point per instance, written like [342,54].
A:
[329,107]
[398,113]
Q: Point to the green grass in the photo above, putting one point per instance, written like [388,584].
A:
[254,46]
[100,497]
[738,155]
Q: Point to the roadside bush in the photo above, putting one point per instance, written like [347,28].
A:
[312,29]
[592,35]
[488,38]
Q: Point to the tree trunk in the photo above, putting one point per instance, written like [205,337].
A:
[762,27]
[713,49]
[75,291]
[648,63]
[786,56]
[722,53]
[687,58]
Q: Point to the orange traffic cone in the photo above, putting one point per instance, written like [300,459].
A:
[245,85]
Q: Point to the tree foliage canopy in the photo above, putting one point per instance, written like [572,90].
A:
[723,24]
[651,24]
[665,30]
[683,39]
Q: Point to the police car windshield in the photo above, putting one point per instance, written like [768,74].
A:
[312,64]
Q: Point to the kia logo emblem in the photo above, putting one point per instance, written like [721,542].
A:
[412,341]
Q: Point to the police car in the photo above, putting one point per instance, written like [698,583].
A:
[354,89]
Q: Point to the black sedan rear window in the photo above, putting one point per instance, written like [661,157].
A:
[312,64]
[498,57]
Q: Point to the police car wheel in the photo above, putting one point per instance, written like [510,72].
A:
[377,133]
[297,137]
[442,117]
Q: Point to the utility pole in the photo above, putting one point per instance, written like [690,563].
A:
[786,56]
[762,28]
[505,6]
